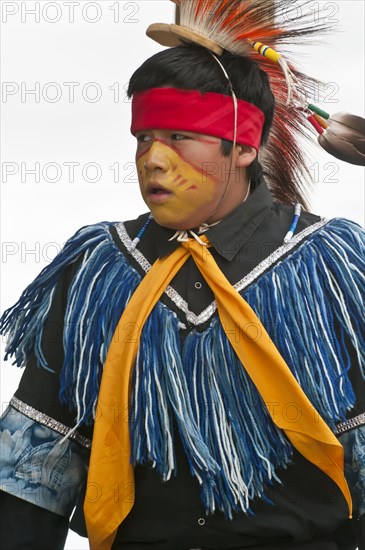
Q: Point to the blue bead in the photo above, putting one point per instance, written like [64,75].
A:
[294,223]
[143,230]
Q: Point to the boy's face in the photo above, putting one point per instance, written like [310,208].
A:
[183,177]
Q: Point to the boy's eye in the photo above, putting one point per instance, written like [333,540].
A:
[143,138]
[179,137]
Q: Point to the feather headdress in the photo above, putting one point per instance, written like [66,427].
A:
[255,28]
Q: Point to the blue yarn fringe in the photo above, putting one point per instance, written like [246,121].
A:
[161,392]
[233,421]
[98,293]
[311,305]
[217,396]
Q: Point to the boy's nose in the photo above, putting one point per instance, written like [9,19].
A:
[157,157]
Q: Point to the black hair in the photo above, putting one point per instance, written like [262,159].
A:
[192,67]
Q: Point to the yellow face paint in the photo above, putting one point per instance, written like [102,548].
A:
[179,195]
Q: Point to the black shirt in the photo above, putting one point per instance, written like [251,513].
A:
[307,506]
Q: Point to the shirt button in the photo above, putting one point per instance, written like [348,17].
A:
[201,521]
[198,285]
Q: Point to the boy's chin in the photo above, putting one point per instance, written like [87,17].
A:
[177,225]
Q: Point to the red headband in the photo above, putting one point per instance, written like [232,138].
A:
[190,111]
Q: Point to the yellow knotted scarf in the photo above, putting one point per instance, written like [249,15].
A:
[110,494]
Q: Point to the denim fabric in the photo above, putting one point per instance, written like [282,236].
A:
[35,466]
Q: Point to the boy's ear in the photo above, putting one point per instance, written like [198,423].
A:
[246,155]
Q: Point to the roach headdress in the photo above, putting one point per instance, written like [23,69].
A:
[259,29]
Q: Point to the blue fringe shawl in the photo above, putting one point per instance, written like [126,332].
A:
[310,303]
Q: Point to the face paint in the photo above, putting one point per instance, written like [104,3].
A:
[179,194]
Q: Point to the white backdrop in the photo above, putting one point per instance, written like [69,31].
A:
[67,154]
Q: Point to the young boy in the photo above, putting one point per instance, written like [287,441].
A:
[213,431]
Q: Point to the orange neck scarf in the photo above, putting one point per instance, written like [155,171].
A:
[110,494]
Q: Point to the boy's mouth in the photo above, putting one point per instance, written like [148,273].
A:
[158,193]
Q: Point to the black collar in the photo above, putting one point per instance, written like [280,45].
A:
[231,233]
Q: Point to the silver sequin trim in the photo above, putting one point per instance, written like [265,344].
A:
[239,286]
[42,418]
[350,424]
